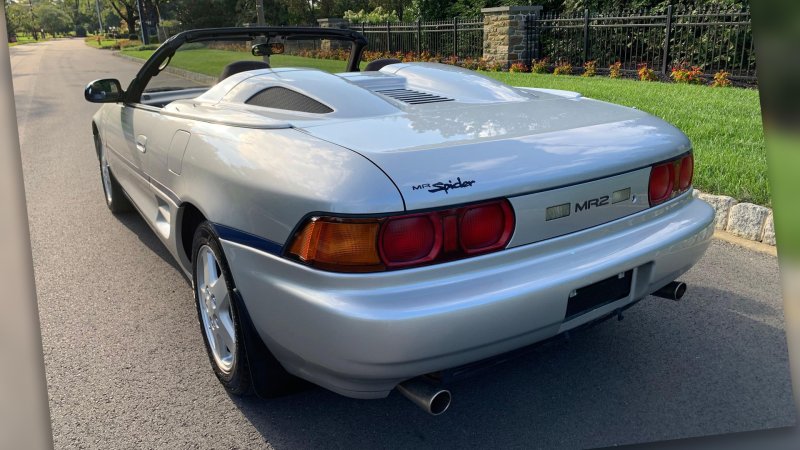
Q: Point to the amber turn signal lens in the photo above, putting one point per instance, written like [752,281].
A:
[328,244]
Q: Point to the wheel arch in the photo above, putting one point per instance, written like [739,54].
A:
[189,218]
[96,135]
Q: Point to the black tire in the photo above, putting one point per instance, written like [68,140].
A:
[116,200]
[254,368]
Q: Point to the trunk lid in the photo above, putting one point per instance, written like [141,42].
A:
[450,153]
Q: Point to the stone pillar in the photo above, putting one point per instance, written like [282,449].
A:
[333,22]
[504,37]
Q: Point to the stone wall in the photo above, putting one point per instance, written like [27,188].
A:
[504,39]
[746,220]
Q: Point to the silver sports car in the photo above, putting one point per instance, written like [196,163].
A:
[387,225]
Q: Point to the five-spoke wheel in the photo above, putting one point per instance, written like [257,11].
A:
[216,312]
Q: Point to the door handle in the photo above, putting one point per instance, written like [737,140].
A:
[141,143]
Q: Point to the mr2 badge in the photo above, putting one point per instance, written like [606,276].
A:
[442,186]
[563,210]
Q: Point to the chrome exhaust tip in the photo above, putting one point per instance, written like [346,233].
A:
[672,291]
[432,399]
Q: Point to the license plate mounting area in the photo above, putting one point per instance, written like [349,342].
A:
[593,296]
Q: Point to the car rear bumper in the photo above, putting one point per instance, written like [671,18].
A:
[362,334]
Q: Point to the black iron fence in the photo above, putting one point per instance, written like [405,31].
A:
[460,36]
[714,39]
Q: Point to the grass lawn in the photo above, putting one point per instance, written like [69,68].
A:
[103,42]
[211,62]
[25,40]
[724,124]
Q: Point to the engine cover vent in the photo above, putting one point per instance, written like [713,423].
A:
[413,97]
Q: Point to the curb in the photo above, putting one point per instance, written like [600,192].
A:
[743,220]
[746,221]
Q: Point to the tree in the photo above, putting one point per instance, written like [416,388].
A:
[208,13]
[18,17]
[127,12]
[53,19]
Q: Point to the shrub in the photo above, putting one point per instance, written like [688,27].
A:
[563,68]
[408,57]
[367,56]
[377,15]
[452,60]
[682,74]
[144,47]
[589,69]
[646,73]
[495,66]
[192,46]
[615,70]
[721,79]
[540,66]
[469,63]
[518,67]
[125,43]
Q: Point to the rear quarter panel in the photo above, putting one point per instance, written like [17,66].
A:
[265,182]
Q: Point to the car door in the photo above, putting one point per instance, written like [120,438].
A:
[133,135]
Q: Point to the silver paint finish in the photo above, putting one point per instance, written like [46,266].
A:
[177,148]
[262,171]
[530,210]
[363,334]
[466,86]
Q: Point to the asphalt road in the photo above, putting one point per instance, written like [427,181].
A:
[126,366]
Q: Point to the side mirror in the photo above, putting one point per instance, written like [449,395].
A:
[104,91]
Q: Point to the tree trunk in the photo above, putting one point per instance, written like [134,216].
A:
[131,21]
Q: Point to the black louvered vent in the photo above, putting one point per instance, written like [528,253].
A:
[413,97]
[281,98]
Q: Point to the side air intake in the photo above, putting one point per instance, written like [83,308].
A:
[413,97]
[281,98]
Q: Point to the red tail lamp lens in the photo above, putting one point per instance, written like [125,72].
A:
[686,173]
[485,227]
[349,244]
[661,182]
[410,240]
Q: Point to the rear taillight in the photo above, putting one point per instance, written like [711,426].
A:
[661,182]
[670,179]
[385,243]
[410,240]
[331,243]
[685,173]
[485,228]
